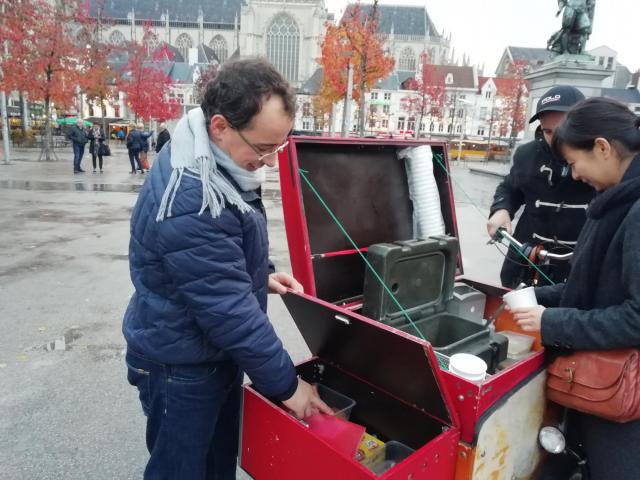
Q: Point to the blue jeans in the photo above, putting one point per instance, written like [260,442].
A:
[78,152]
[193,416]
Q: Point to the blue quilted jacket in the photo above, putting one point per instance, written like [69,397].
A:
[201,285]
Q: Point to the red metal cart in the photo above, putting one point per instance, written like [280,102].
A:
[459,429]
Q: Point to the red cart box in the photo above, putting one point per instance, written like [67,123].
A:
[364,185]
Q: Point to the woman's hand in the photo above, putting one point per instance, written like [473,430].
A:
[529,319]
[279,282]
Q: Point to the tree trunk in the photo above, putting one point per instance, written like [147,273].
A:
[48,140]
[363,100]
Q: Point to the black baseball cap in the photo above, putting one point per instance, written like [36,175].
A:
[559,99]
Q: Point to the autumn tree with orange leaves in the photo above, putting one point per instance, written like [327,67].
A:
[354,40]
[44,60]
[429,96]
[513,102]
[146,85]
[99,79]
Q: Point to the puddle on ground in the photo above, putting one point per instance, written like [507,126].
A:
[69,186]
[65,342]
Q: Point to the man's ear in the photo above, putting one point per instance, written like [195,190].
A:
[217,126]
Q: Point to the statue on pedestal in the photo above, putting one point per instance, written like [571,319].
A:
[577,24]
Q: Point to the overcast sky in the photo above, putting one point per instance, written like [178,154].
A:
[483,28]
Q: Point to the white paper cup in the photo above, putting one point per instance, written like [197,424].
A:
[468,366]
[521,298]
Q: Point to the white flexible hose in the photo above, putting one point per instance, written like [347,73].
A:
[423,190]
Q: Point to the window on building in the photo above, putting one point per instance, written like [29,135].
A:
[401,123]
[116,110]
[117,38]
[184,43]
[411,123]
[459,129]
[374,95]
[372,123]
[387,95]
[407,60]
[450,128]
[601,61]
[306,125]
[219,46]
[481,132]
[441,128]
[449,79]
[431,126]
[385,123]
[462,97]
[283,46]
[306,109]
[460,112]
[487,94]
[373,108]
[386,108]
[609,63]
[452,112]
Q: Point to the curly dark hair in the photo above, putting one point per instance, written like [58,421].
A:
[240,88]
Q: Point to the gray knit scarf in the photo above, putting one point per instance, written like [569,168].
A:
[194,155]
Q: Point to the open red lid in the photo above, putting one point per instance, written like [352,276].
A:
[365,185]
[400,364]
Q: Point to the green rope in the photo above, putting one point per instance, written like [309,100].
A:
[439,158]
[339,224]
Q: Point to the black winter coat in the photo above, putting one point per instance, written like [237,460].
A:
[163,137]
[554,207]
[599,308]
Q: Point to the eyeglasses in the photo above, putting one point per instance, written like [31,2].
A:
[261,156]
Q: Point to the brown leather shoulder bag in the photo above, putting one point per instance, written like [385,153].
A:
[604,383]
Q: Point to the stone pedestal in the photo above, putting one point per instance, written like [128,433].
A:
[576,70]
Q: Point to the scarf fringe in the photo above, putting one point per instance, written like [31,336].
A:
[216,190]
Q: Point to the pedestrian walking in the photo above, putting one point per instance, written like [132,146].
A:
[96,146]
[144,146]
[163,137]
[134,146]
[78,137]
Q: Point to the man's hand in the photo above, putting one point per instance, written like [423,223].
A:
[306,401]
[499,219]
[529,319]
[279,282]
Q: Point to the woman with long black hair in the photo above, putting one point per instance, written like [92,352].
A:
[598,308]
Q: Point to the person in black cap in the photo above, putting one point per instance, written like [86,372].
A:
[554,204]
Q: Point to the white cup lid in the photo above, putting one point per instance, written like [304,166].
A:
[467,364]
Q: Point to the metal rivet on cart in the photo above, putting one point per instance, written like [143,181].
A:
[461,398]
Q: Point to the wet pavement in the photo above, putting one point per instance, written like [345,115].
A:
[67,409]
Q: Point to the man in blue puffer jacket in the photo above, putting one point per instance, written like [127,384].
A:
[199,263]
